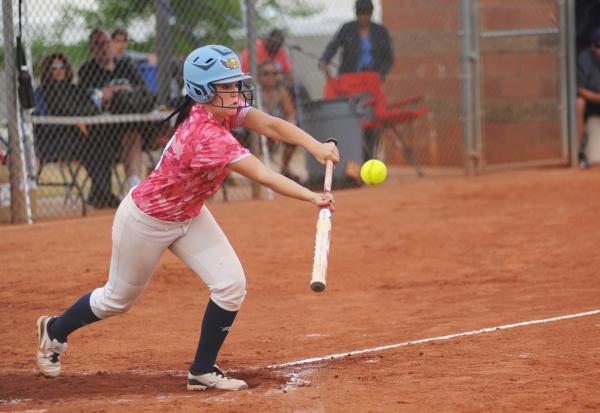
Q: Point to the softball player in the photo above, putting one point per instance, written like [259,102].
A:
[167,210]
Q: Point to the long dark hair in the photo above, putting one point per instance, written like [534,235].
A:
[46,68]
[182,112]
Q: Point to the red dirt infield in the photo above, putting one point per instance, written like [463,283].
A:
[410,259]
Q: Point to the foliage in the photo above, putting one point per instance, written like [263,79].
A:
[193,23]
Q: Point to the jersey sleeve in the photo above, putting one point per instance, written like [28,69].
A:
[238,121]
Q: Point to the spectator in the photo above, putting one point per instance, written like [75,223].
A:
[588,92]
[276,101]
[366,46]
[120,41]
[144,62]
[110,76]
[120,49]
[271,49]
[63,98]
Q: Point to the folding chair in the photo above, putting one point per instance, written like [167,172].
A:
[379,116]
[53,146]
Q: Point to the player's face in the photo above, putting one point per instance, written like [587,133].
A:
[227,97]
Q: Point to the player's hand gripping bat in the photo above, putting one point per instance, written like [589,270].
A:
[319,271]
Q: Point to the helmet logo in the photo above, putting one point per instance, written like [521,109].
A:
[230,63]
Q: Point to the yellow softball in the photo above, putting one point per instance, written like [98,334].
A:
[373,172]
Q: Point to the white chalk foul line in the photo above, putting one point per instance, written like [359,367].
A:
[428,340]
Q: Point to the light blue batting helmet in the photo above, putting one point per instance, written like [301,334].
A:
[207,65]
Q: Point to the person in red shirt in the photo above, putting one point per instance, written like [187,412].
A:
[271,49]
[167,210]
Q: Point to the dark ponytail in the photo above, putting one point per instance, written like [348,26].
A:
[182,112]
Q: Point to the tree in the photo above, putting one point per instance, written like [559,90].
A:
[194,22]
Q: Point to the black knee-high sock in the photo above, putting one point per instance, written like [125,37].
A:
[215,327]
[76,316]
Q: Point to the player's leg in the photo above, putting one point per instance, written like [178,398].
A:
[138,243]
[206,250]
[130,272]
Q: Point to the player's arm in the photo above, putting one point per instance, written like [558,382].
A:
[279,129]
[254,169]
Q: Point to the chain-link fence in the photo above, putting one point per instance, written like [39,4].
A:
[415,88]
[523,81]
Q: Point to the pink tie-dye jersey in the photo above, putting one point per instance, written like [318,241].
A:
[192,166]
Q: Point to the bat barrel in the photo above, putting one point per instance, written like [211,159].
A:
[319,273]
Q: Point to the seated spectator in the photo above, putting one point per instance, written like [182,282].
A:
[270,49]
[61,97]
[120,49]
[145,62]
[276,101]
[588,92]
[111,77]
[120,41]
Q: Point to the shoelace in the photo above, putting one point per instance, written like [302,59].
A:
[57,347]
[217,372]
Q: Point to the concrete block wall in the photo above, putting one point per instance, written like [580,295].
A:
[520,77]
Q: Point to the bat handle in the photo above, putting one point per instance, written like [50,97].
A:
[329,169]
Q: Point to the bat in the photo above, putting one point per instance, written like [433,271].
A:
[319,270]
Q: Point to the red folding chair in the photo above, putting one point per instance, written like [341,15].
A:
[379,116]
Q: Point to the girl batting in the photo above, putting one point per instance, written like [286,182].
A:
[167,210]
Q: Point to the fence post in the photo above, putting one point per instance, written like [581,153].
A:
[467,57]
[477,155]
[257,141]
[163,50]
[571,98]
[17,204]
[251,46]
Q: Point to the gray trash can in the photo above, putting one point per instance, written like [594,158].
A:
[339,119]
